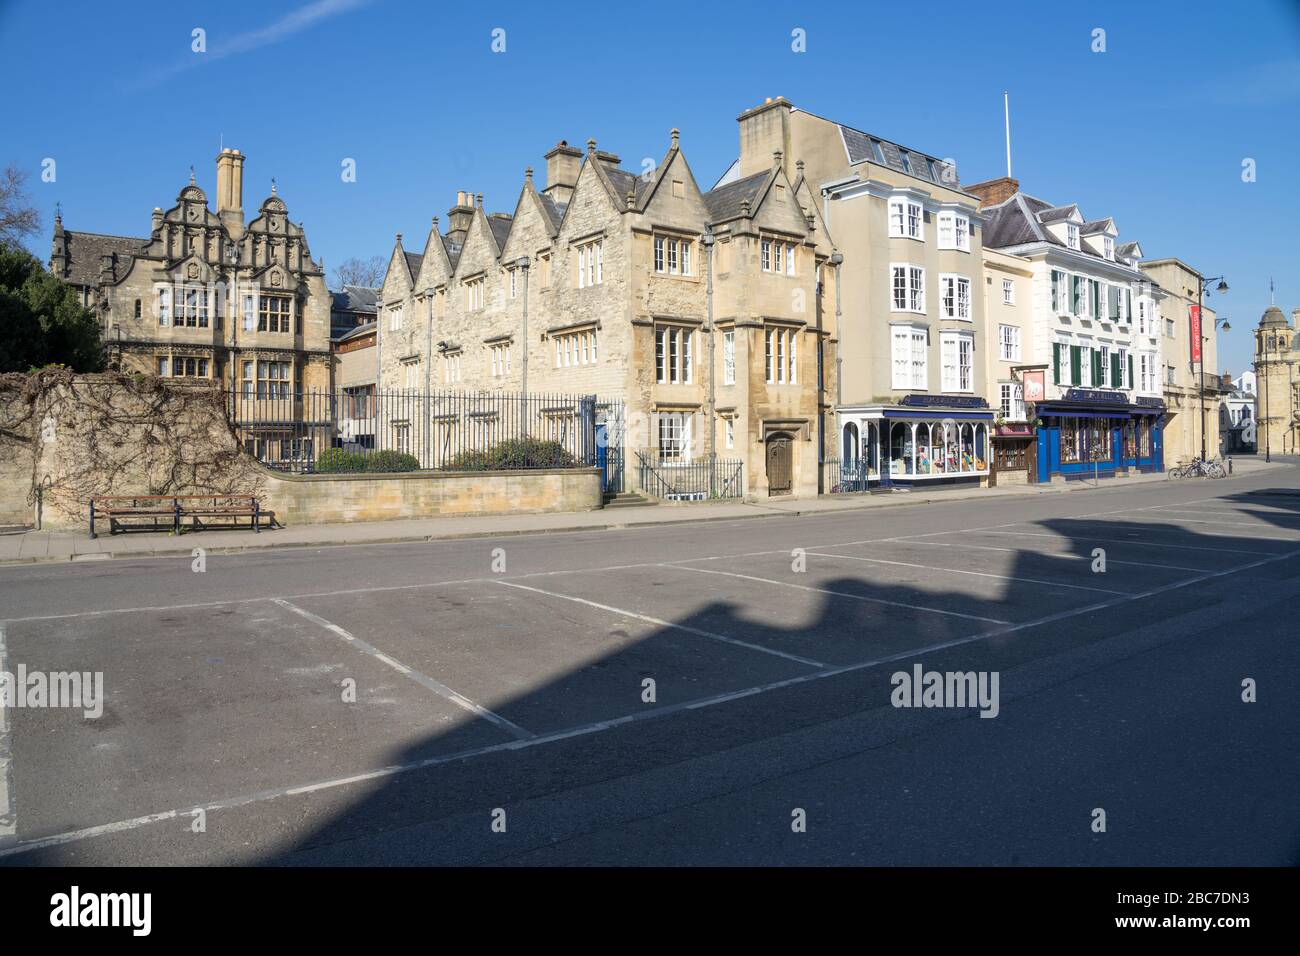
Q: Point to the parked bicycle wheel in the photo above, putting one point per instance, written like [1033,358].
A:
[1216,470]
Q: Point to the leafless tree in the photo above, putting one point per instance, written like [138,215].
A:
[18,219]
[362,272]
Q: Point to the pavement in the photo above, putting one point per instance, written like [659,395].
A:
[720,692]
[32,546]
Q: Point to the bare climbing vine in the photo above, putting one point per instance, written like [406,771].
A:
[117,434]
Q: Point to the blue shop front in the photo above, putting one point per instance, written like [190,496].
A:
[1098,432]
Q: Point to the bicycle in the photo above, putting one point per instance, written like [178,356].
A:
[1196,468]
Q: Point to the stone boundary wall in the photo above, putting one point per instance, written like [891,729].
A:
[74,436]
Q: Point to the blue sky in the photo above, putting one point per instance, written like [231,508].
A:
[1153,131]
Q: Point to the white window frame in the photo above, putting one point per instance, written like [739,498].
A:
[909,358]
[729,357]
[395,318]
[954,296]
[1008,292]
[913,287]
[1072,235]
[954,231]
[1011,401]
[1009,343]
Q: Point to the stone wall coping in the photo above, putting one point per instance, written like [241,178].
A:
[416,475]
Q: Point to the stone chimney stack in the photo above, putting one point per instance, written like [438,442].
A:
[460,216]
[994,191]
[764,130]
[230,190]
[562,165]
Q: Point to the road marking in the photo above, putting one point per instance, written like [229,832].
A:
[135,823]
[1142,544]
[8,812]
[981,574]
[442,690]
[846,594]
[669,624]
[1062,554]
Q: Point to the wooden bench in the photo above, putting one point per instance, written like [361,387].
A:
[171,510]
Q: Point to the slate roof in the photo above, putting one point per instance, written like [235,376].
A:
[355,332]
[724,202]
[1097,225]
[863,147]
[500,224]
[623,182]
[355,298]
[554,210]
[1021,219]
[85,249]
[453,250]
[413,262]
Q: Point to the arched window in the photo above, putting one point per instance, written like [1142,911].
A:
[924,453]
[900,449]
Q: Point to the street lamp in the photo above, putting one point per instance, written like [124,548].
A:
[1221,288]
[232,256]
[706,240]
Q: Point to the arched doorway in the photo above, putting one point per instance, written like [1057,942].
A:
[780,463]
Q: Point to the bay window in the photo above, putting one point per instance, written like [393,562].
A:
[954,231]
[780,356]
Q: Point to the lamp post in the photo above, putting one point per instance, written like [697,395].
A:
[232,256]
[1221,288]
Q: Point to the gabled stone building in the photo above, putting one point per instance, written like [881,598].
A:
[208,296]
[700,312]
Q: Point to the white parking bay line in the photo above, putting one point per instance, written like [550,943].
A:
[442,690]
[135,823]
[661,623]
[845,594]
[8,814]
[1047,554]
[978,574]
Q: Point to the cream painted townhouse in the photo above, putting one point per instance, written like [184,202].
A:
[700,315]
[910,403]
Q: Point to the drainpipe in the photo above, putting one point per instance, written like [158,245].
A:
[707,240]
[428,372]
[524,262]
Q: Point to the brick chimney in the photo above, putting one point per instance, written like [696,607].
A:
[230,190]
[994,191]
[764,130]
[563,163]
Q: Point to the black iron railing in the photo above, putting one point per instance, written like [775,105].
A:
[697,480]
[407,430]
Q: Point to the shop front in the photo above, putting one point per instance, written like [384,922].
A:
[1099,433]
[922,439]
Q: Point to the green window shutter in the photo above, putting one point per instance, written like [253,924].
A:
[1075,299]
[1056,291]
[1130,371]
[1095,288]
[1076,362]
[1096,368]
[1128,306]
[1056,363]
[1115,379]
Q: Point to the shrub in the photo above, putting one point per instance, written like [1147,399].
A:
[334,461]
[513,454]
[391,461]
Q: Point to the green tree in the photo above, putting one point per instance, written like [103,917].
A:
[41,321]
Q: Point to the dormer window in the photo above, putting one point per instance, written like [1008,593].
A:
[1108,248]
[1072,235]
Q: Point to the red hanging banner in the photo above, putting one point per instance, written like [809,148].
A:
[1195,313]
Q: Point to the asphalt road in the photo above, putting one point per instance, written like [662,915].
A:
[487,701]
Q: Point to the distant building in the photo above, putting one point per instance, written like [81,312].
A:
[1277,351]
[1237,414]
[206,295]
[351,306]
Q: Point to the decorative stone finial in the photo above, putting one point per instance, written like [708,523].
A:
[631,199]
[591,145]
[675,133]
[776,157]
